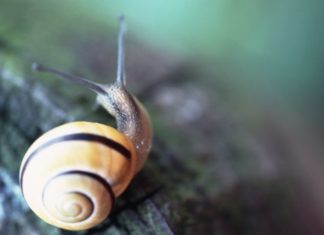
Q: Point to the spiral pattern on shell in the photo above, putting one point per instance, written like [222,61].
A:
[71,175]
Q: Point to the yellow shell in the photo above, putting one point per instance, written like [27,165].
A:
[71,175]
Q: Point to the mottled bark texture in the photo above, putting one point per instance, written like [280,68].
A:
[205,175]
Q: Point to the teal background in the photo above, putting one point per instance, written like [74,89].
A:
[267,53]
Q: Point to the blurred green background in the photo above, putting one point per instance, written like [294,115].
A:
[266,52]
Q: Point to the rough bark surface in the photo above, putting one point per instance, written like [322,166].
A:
[204,173]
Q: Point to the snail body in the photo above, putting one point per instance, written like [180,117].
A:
[71,175]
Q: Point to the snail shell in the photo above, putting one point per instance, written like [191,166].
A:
[71,175]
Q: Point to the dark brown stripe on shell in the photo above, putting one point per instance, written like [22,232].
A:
[77,137]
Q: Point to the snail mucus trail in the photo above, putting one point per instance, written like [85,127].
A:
[71,175]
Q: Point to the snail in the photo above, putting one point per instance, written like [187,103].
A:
[71,175]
